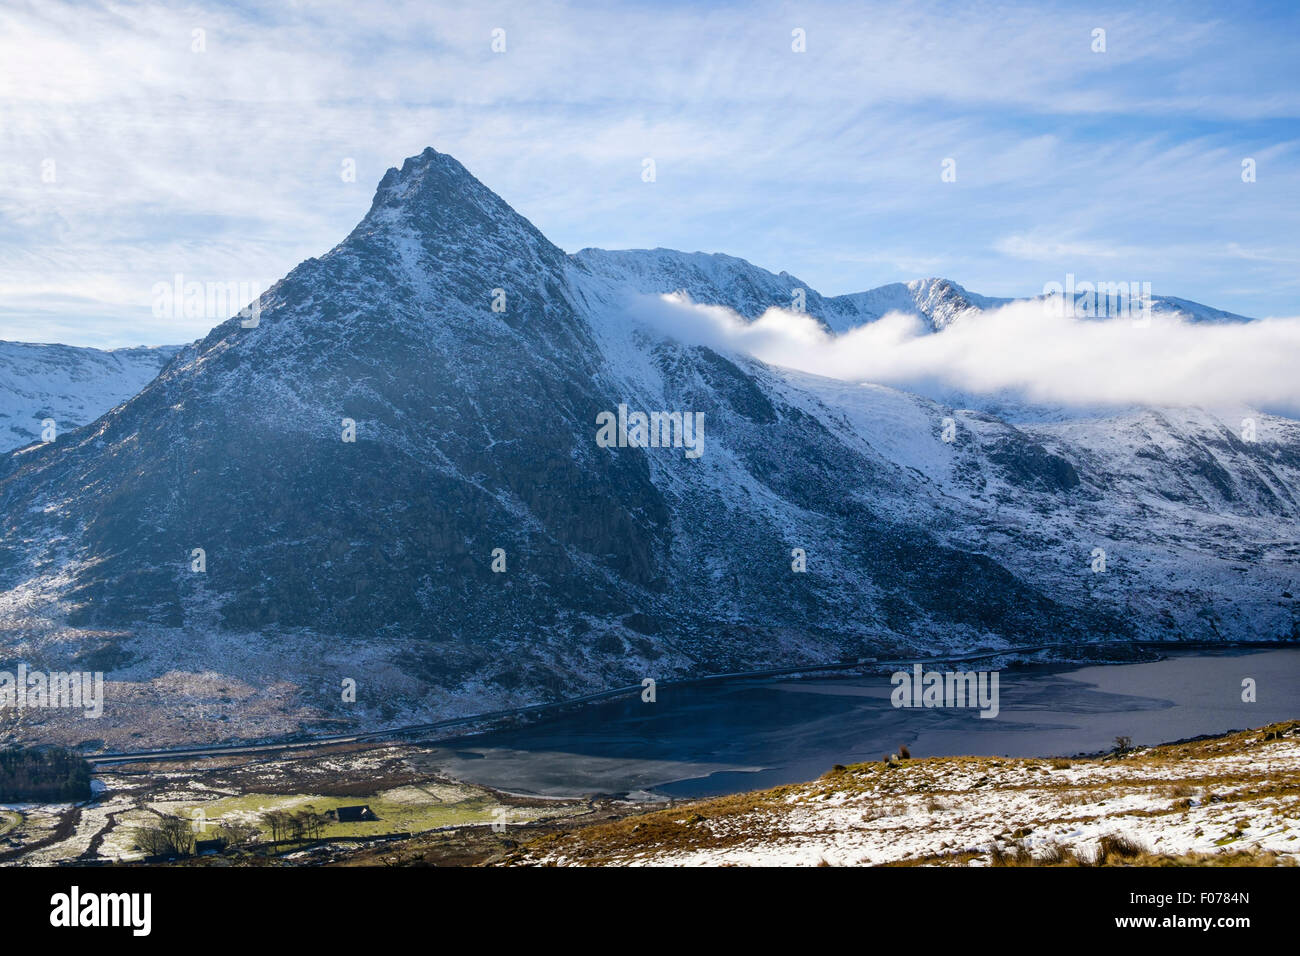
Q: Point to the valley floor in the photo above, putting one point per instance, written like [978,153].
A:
[1226,800]
[469,820]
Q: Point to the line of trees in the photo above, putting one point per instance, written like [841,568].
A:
[175,836]
[296,826]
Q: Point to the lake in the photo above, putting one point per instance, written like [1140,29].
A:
[710,739]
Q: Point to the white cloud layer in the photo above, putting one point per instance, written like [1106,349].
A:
[1021,349]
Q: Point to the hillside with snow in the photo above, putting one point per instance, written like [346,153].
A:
[716,279]
[1223,801]
[73,386]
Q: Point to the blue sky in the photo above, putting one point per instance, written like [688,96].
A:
[224,164]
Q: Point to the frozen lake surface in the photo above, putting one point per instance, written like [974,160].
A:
[722,738]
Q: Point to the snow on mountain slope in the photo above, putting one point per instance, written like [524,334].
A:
[70,385]
[476,547]
[939,301]
[1193,311]
[709,279]
[1197,524]
[715,279]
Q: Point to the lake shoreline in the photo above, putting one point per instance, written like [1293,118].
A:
[743,734]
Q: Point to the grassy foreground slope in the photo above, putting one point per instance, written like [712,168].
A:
[1231,800]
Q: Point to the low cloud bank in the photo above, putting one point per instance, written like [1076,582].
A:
[1021,349]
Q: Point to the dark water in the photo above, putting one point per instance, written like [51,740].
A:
[724,738]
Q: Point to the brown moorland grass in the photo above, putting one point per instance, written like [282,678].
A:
[933,783]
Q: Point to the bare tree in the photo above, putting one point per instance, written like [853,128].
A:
[236,833]
[171,836]
[278,821]
[179,833]
[151,841]
[307,824]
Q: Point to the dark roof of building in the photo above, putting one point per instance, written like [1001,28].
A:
[358,812]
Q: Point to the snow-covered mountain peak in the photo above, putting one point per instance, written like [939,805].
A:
[937,300]
[434,233]
[429,177]
[435,198]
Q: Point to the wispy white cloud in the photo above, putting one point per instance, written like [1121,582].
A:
[1024,349]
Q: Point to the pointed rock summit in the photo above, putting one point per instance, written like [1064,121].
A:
[436,200]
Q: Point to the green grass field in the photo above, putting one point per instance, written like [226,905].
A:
[410,809]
